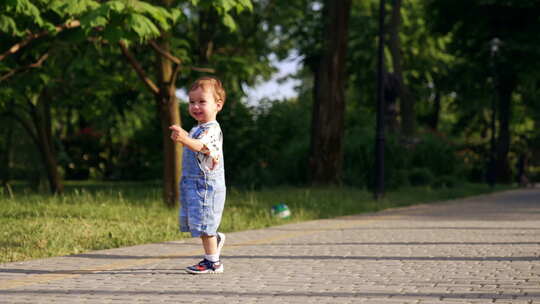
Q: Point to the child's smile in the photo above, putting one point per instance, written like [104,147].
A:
[203,106]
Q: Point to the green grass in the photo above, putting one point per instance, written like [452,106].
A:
[91,216]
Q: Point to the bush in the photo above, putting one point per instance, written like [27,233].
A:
[445,181]
[421,177]
[435,153]
[399,178]
[404,165]
[358,169]
[268,146]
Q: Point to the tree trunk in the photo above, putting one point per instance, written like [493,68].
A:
[328,124]
[208,18]
[39,129]
[169,114]
[5,160]
[391,93]
[505,89]
[43,127]
[408,119]
[5,157]
[436,113]
[315,117]
[167,108]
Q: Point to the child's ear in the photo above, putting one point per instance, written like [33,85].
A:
[219,105]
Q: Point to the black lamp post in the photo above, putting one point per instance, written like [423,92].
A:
[492,170]
[379,137]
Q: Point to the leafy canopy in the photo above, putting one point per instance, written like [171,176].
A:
[131,20]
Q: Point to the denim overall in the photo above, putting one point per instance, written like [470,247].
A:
[202,193]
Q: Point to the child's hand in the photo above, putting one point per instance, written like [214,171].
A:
[175,128]
[178,134]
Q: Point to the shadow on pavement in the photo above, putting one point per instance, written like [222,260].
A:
[359,294]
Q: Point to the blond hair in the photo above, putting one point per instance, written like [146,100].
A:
[210,82]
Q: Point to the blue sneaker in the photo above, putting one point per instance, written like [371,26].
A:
[205,266]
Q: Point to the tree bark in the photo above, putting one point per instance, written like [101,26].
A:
[35,65]
[505,89]
[167,69]
[39,129]
[436,113]
[169,114]
[42,124]
[5,160]
[326,161]
[406,102]
[391,93]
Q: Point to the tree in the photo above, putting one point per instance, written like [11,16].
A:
[29,101]
[408,118]
[328,122]
[125,23]
[512,22]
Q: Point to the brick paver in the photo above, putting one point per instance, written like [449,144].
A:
[478,250]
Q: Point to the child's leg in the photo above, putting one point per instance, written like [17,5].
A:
[210,248]
[211,263]
[210,244]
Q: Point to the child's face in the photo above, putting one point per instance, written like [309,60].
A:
[203,106]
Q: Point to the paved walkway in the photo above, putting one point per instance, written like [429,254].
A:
[478,250]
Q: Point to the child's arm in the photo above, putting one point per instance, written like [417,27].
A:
[182,136]
[206,144]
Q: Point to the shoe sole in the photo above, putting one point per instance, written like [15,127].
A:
[208,271]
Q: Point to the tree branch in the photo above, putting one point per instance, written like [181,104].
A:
[164,53]
[36,64]
[32,109]
[206,70]
[135,64]
[173,80]
[17,46]
[175,59]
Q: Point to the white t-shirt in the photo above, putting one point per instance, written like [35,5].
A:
[212,139]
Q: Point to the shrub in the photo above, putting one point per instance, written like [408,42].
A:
[421,177]
[268,146]
[359,160]
[445,181]
[435,153]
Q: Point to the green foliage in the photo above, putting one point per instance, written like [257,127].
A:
[226,9]
[282,142]
[92,97]
[73,8]
[142,26]
[415,164]
[435,153]
[16,14]
[266,146]
[137,19]
[421,177]
[8,25]
[445,52]
[487,72]
[445,181]
[138,157]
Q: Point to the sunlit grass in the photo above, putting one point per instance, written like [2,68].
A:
[93,216]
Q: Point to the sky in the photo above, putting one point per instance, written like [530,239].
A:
[272,89]
[269,89]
